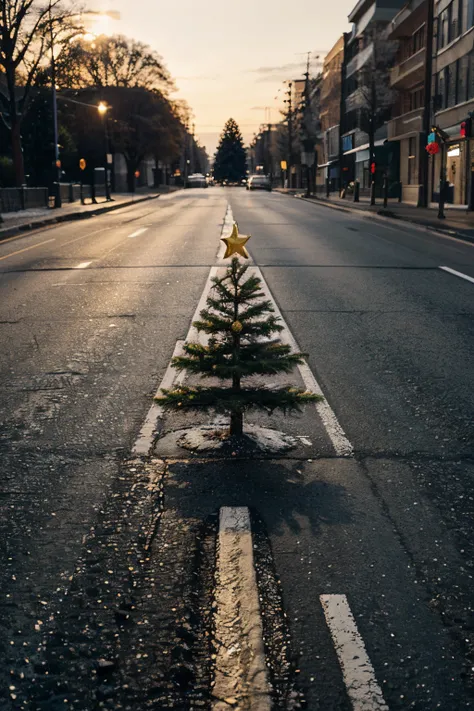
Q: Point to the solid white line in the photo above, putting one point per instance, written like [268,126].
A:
[139,232]
[146,436]
[336,434]
[82,265]
[458,274]
[240,667]
[359,677]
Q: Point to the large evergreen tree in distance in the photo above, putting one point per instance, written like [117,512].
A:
[230,161]
[241,325]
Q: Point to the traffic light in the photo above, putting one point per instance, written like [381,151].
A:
[373,168]
[466,128]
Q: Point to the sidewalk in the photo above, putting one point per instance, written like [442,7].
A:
[17,222]
[459,223]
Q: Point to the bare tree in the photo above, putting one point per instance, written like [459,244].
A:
[26,31]
[111,61]
[376,94]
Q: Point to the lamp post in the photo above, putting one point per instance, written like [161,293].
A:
[57,161]
[102,109]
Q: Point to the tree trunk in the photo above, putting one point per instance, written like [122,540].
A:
[17,153]
[236,424]
[130,179]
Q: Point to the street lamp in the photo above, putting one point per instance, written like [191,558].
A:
[57,161]
[112,14]
[102,108]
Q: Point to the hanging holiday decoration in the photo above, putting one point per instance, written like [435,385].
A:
[432,148]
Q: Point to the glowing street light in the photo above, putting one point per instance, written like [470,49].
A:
[102,108]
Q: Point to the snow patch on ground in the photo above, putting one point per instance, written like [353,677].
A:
[212,438]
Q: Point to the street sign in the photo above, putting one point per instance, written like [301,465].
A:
[283,165]
[82,164]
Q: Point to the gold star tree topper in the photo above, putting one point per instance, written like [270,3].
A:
[235,244]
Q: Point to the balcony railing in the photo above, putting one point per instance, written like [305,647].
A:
[410,70]
[359,60]
[410,122]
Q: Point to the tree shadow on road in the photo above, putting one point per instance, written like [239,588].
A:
[285,493]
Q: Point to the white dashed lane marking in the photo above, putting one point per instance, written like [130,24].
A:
[139,232]
[83,265]
[359,677]
[458,274]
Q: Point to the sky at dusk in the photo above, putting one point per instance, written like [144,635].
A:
[229,59]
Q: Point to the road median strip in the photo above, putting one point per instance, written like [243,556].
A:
[241,677]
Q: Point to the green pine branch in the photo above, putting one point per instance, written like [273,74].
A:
[287,399]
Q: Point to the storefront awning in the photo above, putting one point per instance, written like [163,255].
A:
[366,146]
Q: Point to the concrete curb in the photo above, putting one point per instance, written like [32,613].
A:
[70,217]
[426,227]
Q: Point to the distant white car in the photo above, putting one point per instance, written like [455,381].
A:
[197,180]
[259,182]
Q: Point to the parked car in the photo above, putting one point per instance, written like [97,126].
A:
[259,182]
[197,180]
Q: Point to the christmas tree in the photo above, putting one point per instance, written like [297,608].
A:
[240,325]
[230,162]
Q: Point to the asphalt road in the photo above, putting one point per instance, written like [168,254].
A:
[89,317]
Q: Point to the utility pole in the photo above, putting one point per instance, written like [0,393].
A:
[57,161]
[289,101]
[186,161]
[342,113]
[425,160]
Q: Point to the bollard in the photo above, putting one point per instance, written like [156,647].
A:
[385,191]
[327,187]
[356,191]
[400,191]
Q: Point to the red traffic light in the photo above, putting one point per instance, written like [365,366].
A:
[373,168]
[465,130]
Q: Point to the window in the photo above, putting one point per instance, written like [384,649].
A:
[444,26]
[412,176]
[452,85]
[470,14]
[417,99]
[462,78]
[441,86]
[470,77]
[418,39]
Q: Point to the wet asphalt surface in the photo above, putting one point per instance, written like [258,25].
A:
[107,561]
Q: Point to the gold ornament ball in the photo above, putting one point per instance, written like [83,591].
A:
[237,327]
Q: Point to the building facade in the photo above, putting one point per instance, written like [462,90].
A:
[368,53]
[407,78]
[330,116]
[453,100]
